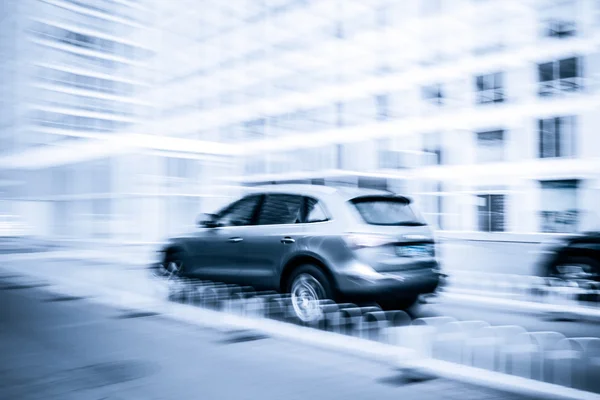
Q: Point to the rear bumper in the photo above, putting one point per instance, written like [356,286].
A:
[390,287]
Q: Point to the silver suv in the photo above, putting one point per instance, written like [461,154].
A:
[316,243]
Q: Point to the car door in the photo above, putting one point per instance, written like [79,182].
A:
[218,250]
[265,245]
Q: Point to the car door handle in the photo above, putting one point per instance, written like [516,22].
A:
[235,239]
[287,240]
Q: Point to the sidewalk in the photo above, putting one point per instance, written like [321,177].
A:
[110,253]
[92,276]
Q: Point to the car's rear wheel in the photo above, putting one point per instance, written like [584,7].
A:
[309,287]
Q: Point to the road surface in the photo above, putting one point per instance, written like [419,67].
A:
[61,348]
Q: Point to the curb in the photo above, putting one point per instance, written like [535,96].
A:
[79,255]
[592,314]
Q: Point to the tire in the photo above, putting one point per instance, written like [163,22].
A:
[174,265]
[308,286]
[177,283]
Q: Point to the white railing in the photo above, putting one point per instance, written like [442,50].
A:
[512,351]
[557,293]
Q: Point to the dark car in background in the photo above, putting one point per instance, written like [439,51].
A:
[571,258]
[316,243]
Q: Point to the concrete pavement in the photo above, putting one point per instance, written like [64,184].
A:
[68,348]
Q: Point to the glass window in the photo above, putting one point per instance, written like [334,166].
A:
[433,94]
[431,202]
[567,68]
[546,72]
[490,146]
[376,210]
[559,206]
[240,213]
[557,137]
[560,76]
[559,18]
[490,88]
[491,212]
[314,211]
[279,209]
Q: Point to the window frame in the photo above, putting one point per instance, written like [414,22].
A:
[559,20]
[565,139]
[559,84]
[434,94]
[489,214]
[496,89]
[483,140]
[546,215]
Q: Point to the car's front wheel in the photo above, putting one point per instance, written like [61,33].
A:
[309,287]
[173,264]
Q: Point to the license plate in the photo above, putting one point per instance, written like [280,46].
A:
[412,251]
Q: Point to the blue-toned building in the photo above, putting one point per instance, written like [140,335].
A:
[484,110]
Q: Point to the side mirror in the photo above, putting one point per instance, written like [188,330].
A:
[208,221]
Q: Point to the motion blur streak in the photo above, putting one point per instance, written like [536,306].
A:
[122,121]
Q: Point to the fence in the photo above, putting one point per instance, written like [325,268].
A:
[543,357]
[526,288]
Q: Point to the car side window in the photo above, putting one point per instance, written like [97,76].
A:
[278,209]
[315,211]
[239,213]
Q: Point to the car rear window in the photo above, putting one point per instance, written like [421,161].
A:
[380,210]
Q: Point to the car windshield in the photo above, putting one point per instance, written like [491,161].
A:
[387,211]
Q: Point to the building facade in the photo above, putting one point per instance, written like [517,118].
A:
[485,111]
[138,115]
[80,156]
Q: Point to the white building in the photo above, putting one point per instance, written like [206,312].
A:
[485,111]
[75,70]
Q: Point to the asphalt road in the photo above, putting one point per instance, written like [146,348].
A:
[69,348]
